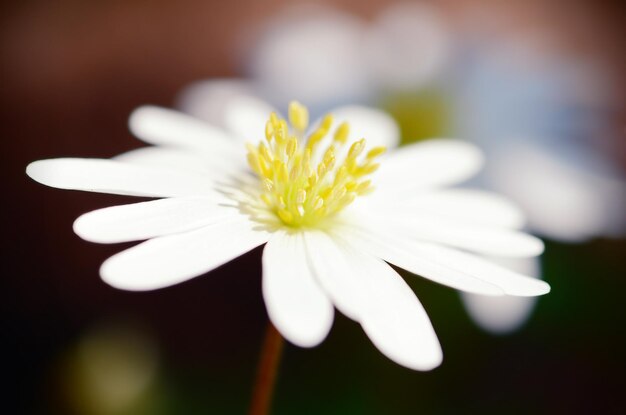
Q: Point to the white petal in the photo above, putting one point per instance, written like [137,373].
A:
[146,220]
[203,163]
[433,163]
[295,302]
[446,266]
[463,205]
[337,275]
[378,128]
[370,292]
[395,320]
[161,126]
[172,259]
[109,176]
[476,238]
[504,314]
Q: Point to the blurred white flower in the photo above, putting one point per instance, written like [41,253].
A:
[329,58]
[324,245]
[544,125]
[313,52]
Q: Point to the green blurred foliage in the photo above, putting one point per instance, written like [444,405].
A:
[421,115]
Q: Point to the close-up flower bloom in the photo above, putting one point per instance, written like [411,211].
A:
[537,116]
[332,207]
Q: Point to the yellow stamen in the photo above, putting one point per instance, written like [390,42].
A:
[301,183]
[341,135]
[298,116]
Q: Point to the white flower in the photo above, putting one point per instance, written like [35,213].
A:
[330,222]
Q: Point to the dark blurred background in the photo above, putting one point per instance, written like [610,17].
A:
[71,73]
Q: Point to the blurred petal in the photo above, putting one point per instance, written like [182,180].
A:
[505,314]
[312,54]
[172,259]
[207,100]
[114,177]
[561,201]
[433,163]
[161,126]
[443,265]
[407,46]
[230,104]
[295,302]
[245,117]
[146,220]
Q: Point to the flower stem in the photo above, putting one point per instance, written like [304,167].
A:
[267,371]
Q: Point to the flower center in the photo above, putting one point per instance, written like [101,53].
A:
[303,183]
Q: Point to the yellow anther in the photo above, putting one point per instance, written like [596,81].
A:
[298,116]
[329,154]
[325,194]
[341,135]
[265,170]
[330,162]
[356,149]
[274,119]
[363,187]
[367,169]
[341,175]
[285,216]
[327,121]
[338,192]
[269,130]
[267,183]
[295,172]
[266,199]
[253,161]
[280,170]
[265,153]
[282,131]
[375,152]
[321,170]
[292,146]
[306,163]
[316,137]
